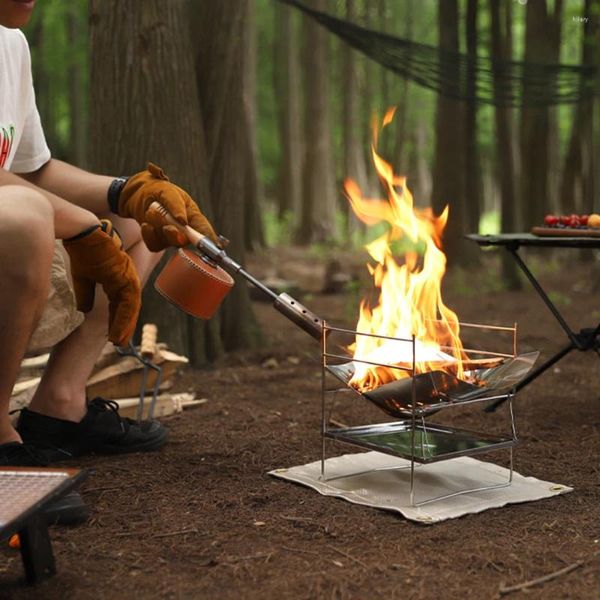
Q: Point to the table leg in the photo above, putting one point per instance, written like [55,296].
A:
[36,549]
[538,288]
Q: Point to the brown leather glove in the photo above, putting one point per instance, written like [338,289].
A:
[153,185]
[97,256]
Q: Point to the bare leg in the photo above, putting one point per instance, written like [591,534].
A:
[61,392]
[26,249]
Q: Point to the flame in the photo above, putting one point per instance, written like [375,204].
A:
[410,301]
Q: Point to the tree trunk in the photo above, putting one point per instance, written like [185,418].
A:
[542,43]
[136,117]
[354,157]
[43,86]
[319,194]
[253,230]
[449,163]
[77,101]
[288,96]
[221,56]
[386,140]
[501,50]
[401,117]
[578,160]
[472,166]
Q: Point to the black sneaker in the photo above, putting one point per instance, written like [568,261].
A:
[68,510]
[101,431]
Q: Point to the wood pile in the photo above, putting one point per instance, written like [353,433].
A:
[119,377]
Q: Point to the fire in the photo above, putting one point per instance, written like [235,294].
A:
[410,300]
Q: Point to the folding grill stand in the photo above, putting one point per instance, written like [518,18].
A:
[586,339]
[414,439]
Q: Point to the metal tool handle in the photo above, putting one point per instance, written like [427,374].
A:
[203,243]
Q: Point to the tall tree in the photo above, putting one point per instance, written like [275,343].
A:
[542,45]
[576,190]
[501,50]
[141,54]
[46,99]
[472,167]
[401,117]
[288,95]
[76,24]
[449,164]
[222,63]
[253,230]
[319,193]
[354,156]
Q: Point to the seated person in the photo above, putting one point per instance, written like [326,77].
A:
[43,200]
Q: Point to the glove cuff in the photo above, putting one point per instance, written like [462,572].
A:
[83,233]
[114,191]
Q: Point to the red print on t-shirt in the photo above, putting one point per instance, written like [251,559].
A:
[7,136]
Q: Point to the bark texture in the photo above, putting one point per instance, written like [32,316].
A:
[288,94]
[501,49]
[542,45]
[319,193]
[449,162]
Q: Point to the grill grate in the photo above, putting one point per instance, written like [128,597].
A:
[20,490]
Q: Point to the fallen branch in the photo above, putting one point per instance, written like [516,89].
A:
[338,424]
[298,519]
[527,584]
[299,550]
[172,533]
[356,560]
[250,557]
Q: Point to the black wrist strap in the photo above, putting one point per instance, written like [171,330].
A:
[114,191]
[83,233]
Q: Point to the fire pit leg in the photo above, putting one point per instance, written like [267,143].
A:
[412,437]
[323,392]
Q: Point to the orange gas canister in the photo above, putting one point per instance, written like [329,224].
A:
[193,283]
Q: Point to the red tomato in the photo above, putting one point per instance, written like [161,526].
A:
[583,219]
[574,221]
[564,220]
[551,220]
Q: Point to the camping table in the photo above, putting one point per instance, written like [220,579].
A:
[584,340]
[25,492]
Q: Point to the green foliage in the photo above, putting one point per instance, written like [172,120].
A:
[559,298]
[489,223]
[278,230]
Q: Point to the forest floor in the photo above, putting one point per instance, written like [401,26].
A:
[202,519]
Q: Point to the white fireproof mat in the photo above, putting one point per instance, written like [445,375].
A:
[390,489]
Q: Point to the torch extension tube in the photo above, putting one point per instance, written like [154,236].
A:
[284,303]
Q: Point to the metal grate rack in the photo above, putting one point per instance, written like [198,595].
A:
[419,395]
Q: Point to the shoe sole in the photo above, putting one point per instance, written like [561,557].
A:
[58,455]
[149,446]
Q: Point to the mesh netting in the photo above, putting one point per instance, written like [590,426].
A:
[463,76]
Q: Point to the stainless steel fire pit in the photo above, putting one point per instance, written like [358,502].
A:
[417,396]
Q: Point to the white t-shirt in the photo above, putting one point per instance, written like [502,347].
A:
[23,147]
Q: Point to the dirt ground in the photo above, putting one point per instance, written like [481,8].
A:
[202,519]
